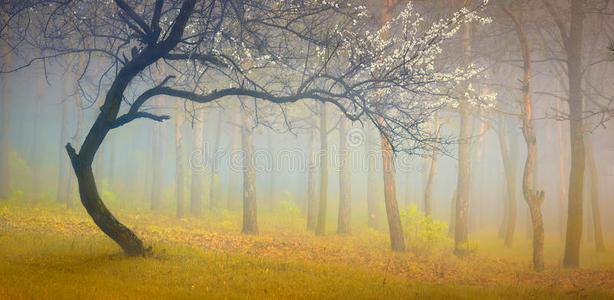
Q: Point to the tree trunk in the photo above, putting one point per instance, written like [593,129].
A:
[373,205]
[231,202]
[321,222]
[397,241]
[461,229]
[594,195]
[452,226]
[312,204]
[431,177]
[156,158]
[4,125]
[345,188]
[562,183]
[179,172]
[272,197]
[507,144]
[533,197]
[250,221]
[576,107]
[197,165]
[214,185]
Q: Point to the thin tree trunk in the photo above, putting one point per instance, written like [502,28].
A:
[373,206]
[507,144]
[179,172]
[594,195]
[156,158]
[562,183]
[250,221]
[431,176]
[4,125]
[272,198]
[197,165]
[231,202]
[321,222]
[312,204]
[345,194]
[533,197]
[452,226]
[214,185]
[461,230]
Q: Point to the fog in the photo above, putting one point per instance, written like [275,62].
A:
[231,142]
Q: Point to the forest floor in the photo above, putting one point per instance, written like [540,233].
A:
[58,254]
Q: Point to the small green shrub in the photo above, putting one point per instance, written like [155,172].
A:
[422,233]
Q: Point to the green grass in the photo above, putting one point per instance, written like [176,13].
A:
[53,254]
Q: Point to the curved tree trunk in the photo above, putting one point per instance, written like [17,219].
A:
[345,194]
[106,120]
[533,197]
[431,177]
[250,221]
[321,222]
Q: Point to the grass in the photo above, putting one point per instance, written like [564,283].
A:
[51,253]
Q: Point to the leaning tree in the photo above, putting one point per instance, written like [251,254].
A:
[205,50]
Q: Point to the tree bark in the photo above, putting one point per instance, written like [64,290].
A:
[594,195]
[345,194]
[461,230]
[197,165]
[507,145]
[321,222]
[431,176]
[397,241]
[312,204]
[576,107]
[4,125]
[250,221]
[562,183]
[533,197]
[179,172]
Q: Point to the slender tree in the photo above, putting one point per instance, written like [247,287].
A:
[179,172]
[321,221]
[250,220]
[345,189]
